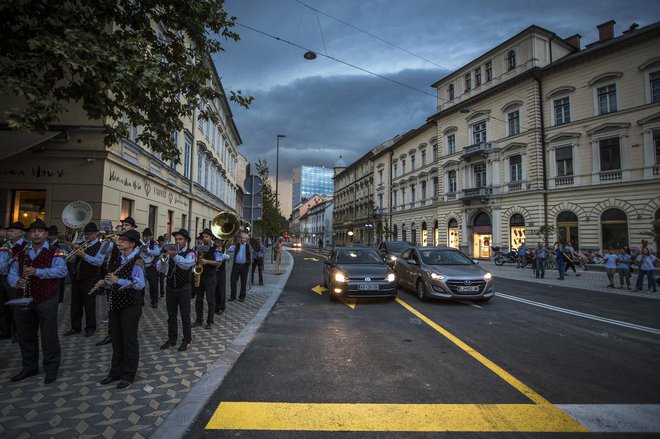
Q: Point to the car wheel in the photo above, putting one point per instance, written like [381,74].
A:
[484,299]
[421,291]
[325,283]
[333,298]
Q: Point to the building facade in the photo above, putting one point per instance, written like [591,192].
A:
[309,180]
[316,224]
[41,175]
[538,134]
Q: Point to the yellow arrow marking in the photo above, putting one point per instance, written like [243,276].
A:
[349,302]
[319,290]
[312,259]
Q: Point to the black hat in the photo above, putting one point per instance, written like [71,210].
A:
[129,220]
[90,228]
[132,235]
[16,225]
[184,233]
[147,232]
[52,230]
[161,238]
[207,232]
[38,224]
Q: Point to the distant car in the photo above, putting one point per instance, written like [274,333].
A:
[358,272]
[443,273]
[297,245]
[390,250]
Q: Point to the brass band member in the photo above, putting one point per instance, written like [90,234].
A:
[150,252]
[124,280]
[54,240]
[210,260]
[36,272]
[242,259]
[178,267]
[221,275]
[85,275]
[14,245]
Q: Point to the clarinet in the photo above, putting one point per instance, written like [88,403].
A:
[114,273]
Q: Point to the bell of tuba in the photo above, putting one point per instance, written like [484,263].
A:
[225,225]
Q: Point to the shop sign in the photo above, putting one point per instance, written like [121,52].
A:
[150,188]
[35,171]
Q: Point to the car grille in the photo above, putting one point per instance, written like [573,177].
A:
[454,284]
[371,279]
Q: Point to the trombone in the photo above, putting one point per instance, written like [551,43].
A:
[102,236]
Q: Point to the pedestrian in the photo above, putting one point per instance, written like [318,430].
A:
[646,262]
[161,273]
[35,272]
[210,260]
[540,255]
[239,269]
[178,266]
[258,261]
[221,276]
[125,281]
[569,253]
[645,244]
[610,257]
[623,267]
[13,247]
[278,255]
[559,257]
[522,254]
[149,252]
[320,244]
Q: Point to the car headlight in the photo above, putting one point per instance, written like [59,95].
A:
[488,276]
[391,258]
[341,277]
[390,277]
[435,276]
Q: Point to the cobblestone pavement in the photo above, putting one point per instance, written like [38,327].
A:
[77,406]
[588,280]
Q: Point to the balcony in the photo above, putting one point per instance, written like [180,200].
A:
[479,194]
[564,181]
[610,175]
[656,170]
[479,149]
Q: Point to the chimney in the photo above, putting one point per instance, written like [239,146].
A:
[606,31]
[633,27]
[574,40]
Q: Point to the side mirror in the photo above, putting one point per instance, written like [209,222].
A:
[412,262]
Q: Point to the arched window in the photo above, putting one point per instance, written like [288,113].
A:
[404,232]
[567,228]
[450,92]
[395,232]
[425,235]
[413,233]
[511,59]
[614,228]
[482,219]
[453,233]
[436,234]
[517,230]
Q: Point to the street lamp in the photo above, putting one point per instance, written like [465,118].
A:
[350,235]
[277,168]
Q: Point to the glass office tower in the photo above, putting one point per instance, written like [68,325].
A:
[310,180]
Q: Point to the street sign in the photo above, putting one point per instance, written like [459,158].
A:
[252,184]
[252,213]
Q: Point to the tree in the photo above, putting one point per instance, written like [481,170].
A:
[544,231]
[126,62]
[273,223]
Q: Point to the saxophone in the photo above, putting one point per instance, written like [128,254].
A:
[197,270]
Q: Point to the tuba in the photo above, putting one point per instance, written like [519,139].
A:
[225,225]
[75,216]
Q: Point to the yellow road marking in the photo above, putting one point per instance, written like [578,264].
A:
[319,290]
[351,303]
[312,259]
[391,417]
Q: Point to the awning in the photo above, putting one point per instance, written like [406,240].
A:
[12,142]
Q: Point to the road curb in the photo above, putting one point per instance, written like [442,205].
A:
[181,418]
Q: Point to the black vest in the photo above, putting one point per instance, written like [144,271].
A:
[248,252]
[176,277]
[209,270]
[122,299]
[84,270]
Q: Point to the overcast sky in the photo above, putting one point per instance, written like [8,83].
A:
[326,108]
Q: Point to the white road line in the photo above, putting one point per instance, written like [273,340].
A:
[581,314]
[615,418]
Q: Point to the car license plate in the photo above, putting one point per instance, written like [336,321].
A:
[464,289]
[368,287]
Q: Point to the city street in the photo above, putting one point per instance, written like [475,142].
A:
[535,359]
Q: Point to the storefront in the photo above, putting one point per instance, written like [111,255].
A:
[482,236]
[453,234]
[517,230]
[425,235]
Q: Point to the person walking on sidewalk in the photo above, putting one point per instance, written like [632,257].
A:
[149,253]
[522,254]
[559,257]
[569,253]
[320,244]
[610,257]
[646,262]
[278,255]
[623,267]
[242,257]
[540,255]
[258,261]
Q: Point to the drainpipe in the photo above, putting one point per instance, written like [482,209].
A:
[193,149]
[390,203]
[544,170]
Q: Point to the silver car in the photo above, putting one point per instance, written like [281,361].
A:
[443,273]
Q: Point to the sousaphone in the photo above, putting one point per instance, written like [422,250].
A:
[75,216]
[225,225]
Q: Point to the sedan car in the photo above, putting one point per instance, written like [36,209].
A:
[443,273]
[358,272]
[390,250]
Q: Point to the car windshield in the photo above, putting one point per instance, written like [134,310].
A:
[357,256]
[444,257]
[397,246]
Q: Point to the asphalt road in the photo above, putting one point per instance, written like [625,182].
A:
[507,365]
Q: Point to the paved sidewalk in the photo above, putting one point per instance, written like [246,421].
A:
[588,280]
[77,406]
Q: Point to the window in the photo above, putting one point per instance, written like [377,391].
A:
[380,176]
[380,201]
[654,78]
[468,82]
[394,199]
[479,132]
[403,166]
[423,154]
[614,228]
[515,166]
[403,196]
[489,71]
[186,157]
[564,159]
[656,142]
[153,214]
[511,60]
[199,167]
[435,187]
[567,228]
[513,122]
[412,162]
[480,175]
[29,206]
[126,207]
[610,154]
[477,77]
[562,108]
[184,221]
[451,182]
[412,193]
[206,174]
[450,92]
[435,152]
[606,99]
[424,190]
[451,144]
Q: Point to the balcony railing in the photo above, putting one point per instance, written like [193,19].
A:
[515,186]
[478,149]
[610,175]
[477,193]
[656,169]
[564,181]
[451,196]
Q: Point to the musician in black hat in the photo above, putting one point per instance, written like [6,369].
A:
[13,247]
[150,251]
[221,276]
[86,273]
[179,286]
[54,240]
[210,261]
[124,281]
[35,273]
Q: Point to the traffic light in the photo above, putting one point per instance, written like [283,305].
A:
[286,236]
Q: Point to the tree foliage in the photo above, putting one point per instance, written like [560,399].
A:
[545,231]
[126,62]
[273,222]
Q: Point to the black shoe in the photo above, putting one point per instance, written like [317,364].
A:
[261,283]
[72,332]
[89,332]
[162,296]
[22,375]
[122,384]
[241,300]
[167,344]
[154,305]
[209,325]
[105,341]
[219,311]
[50,379]
[198,323]
[108,380]
[231,299]
[185,346]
